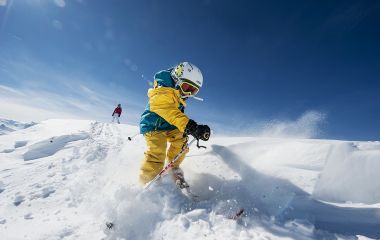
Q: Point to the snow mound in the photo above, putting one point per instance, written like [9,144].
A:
[351,174]
[50,146]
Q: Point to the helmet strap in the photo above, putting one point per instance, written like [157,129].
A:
[178,82]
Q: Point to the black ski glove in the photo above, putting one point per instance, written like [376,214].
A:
[198,131]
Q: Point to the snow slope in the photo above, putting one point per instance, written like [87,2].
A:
[63,179]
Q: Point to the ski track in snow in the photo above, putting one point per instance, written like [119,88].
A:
[63,179]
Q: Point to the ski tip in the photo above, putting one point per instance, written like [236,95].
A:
[238,214]
[189,194]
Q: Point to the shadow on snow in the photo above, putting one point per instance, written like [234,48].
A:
[279,198]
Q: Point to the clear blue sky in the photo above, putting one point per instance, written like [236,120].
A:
[261,60]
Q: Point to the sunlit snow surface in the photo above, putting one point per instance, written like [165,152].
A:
[64,179]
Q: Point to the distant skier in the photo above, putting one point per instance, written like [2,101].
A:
[117,113]
[164,120]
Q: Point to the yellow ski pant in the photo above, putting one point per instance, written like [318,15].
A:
[155,155]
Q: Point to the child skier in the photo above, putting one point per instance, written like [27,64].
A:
[164,120]
[117,113]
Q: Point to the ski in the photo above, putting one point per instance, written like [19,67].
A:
[237,215]
[189,194]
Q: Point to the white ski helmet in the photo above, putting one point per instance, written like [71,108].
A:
[187,72]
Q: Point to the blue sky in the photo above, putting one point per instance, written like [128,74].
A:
[300,67]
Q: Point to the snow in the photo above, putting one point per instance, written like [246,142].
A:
[358,169]
[50,146]
[64,179]
[7,126]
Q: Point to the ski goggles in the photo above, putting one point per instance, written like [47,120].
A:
[188,88]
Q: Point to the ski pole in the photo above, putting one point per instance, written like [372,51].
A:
[170,165]
[130,138]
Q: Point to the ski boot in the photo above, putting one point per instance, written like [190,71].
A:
[179,178]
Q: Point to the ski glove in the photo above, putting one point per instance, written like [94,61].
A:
[198,131]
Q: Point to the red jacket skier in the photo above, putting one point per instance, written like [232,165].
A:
[117,110]
[116,113]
